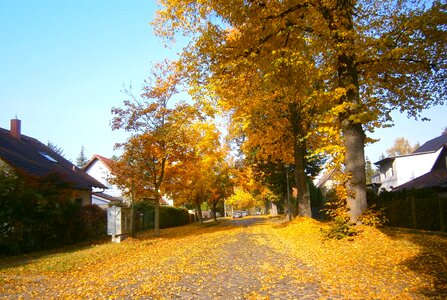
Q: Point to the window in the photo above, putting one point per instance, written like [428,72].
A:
[47,156]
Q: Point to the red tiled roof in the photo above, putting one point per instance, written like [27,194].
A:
[109,163]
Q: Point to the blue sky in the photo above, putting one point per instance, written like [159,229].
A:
[63,65]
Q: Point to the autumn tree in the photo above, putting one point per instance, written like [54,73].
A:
[194,180]
[401,147]
[158,133]
[372,57]
[221,185]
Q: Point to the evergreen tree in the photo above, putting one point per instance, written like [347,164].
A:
[82,160]
[55,148]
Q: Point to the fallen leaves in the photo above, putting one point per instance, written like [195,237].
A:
[256,262]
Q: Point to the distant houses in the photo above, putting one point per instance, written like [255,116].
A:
[21,153]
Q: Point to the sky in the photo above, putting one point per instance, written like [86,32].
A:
[64,64]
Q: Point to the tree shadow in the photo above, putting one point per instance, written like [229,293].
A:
[430,262]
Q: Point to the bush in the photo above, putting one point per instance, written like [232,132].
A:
[38,214]
[169,216]
[341,228]
[373,216]
[93,222]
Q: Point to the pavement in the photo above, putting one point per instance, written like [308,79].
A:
[248,269]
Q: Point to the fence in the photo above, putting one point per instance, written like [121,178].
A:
[411,211]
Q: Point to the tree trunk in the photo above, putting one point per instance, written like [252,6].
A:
[299,152]
[199,211]
[132,220]
[214,210]
[157,216]
[353,133]
[354,139]
[304,209]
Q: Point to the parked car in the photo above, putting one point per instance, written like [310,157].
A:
[244,213]
[237,214]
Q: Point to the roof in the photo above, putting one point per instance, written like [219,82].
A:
[326,176]
[109,163]
[35,158]
[107,197]
[433,145]
[435,178]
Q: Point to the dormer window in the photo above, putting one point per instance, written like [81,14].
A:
[47,156]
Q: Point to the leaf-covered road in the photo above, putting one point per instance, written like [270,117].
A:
[254,258]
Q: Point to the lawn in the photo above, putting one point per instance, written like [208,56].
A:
[197,261]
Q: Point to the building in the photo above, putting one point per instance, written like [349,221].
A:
[101,168]
[28,155]
[395,171]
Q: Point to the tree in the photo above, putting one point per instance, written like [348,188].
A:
[401,147]
[158,136]
[55,148]
[369,171]
[195,180]
[372,57]
[82,160]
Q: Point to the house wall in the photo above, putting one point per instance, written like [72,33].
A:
[83,197]
[405,168]
[101,173]
[103,203]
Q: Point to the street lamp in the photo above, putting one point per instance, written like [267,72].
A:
[287,166]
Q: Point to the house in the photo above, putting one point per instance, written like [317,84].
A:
[328,180]
[23,153]
[395,171]
[436,178]
[101,168]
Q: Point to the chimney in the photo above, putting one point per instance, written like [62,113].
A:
[15,128]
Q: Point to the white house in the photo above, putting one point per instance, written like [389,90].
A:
[100,168]
[397,170]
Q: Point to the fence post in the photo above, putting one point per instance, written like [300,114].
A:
[413,211]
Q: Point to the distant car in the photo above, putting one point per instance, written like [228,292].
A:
[244,213]
[237,215]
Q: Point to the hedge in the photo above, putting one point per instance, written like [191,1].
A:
[169,216]
[38,214]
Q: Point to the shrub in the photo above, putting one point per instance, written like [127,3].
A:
[38,214]
[93,222]
[169,216]
[341,228]
[373,217]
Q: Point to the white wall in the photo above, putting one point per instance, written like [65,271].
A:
[406,168]
[101,173]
